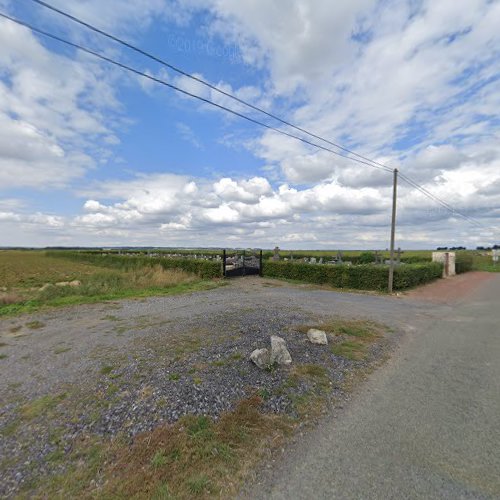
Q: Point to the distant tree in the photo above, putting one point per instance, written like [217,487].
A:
[442,248]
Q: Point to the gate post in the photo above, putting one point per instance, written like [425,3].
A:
[260,263]
[224,262]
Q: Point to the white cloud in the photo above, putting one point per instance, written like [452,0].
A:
[51,113]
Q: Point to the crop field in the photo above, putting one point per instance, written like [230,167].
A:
[31,279]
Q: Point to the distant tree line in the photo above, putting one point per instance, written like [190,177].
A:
[451,248]
[494,247]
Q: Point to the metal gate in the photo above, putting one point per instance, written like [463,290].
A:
[242,262]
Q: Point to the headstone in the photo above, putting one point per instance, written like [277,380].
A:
[339,257]
[313,260]
[276,255]
[321,260]
[398,256]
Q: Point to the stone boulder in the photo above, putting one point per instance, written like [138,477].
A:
[317,336]
[75,283]
[261,358]
[279,351]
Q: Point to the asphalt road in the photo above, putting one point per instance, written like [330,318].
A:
[426,425]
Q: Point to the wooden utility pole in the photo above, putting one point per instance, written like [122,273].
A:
[393,228]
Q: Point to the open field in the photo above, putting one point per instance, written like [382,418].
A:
[31,279]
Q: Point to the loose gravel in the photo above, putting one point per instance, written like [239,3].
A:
[123,368]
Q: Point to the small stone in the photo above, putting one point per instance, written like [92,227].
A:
[317,336]
[279,351]
[62,283]
[75,283]
[44,287]
[261,358]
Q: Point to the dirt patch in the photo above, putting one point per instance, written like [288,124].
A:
[450,289]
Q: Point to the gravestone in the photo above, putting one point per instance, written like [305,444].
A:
[276,255]
[313,260]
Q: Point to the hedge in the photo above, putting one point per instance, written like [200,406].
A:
[362,277]
[463,263]
[205,269]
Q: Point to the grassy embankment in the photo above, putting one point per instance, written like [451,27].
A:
[28,281]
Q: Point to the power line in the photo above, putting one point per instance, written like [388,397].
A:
[201,80]
[250,105]
[359,158]
[178,89]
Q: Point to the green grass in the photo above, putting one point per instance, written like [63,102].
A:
[41,406]
[159,459]
[198,484]
[106,369]
[3,356]
[353,350]
[174,377]
[23,272]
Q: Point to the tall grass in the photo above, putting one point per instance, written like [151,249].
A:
[110,282]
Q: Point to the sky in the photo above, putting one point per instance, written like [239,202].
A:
[92,155]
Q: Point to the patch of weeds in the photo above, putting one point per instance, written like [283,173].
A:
[55,456]
[174,455]
[41,405]
[112,390]
[192,370]
[120,330]
[198,426]
[219,363]
[355,351]
[198,484]
[162,492]
[311,370]
[3,344]
[9,429]
[265,394]
[35,325]
[197,381]
[161,403]
[60,350]
[3,356]
[174,377]
[159,459]
[26,356]
[15,329]
[237,356]
[106,369]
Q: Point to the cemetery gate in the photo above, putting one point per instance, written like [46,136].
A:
[242,262]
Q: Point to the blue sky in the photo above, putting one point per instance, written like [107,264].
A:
[92,155]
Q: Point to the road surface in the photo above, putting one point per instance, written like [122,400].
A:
[427,425]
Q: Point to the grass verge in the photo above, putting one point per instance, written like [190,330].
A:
[196,457]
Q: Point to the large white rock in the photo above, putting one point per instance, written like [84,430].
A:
[279,352]
[317,336]
[261,358]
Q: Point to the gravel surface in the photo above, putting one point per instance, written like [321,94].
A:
[124,367]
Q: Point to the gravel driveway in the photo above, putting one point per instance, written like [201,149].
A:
[127,366]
